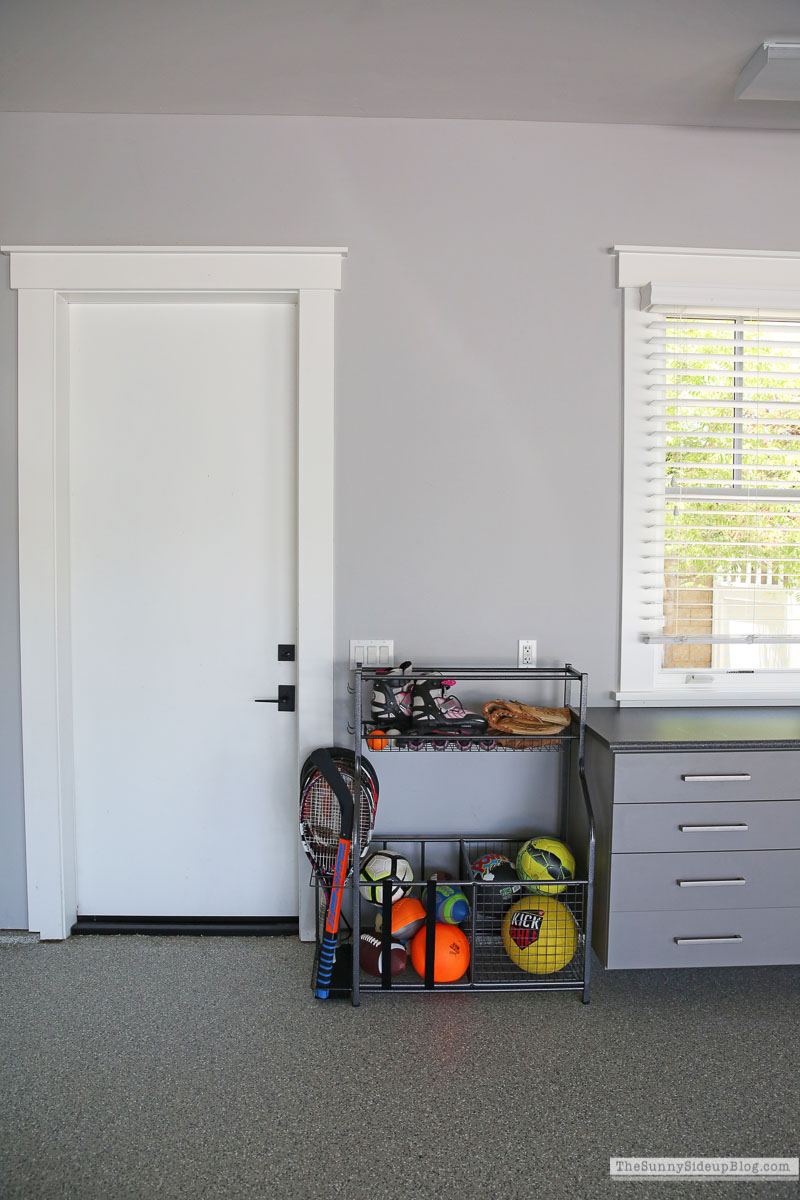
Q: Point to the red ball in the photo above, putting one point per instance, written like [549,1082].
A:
[370,955]
[450,956]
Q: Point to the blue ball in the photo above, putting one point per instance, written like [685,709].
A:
[452,906]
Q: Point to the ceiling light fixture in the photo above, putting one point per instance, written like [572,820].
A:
[773,73]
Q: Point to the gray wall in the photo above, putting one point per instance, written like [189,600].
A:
[478,345]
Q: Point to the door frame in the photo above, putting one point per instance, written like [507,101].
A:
[48,279]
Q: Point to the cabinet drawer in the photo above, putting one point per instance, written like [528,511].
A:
[706,775]
[714,825]
[733,879]
[747,937]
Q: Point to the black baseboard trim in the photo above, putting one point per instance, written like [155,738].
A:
[191,926]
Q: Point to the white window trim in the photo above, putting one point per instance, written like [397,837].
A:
[47,280]
[714,282]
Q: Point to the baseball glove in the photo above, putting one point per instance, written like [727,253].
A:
[527,720]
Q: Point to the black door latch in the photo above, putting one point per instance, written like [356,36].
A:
[285,700]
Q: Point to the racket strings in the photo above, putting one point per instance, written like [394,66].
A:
[321,820]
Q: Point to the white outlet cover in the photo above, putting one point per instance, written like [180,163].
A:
[522,645]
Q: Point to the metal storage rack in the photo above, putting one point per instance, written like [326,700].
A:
[490,967]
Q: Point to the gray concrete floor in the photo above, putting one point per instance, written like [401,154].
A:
[203,1067]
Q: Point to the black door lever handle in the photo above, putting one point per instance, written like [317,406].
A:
[285,700]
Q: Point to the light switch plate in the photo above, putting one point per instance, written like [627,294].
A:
[372,652]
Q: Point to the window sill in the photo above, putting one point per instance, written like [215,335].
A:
[706,697]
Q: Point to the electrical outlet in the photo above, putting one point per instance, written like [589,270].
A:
[372,652]
[526,653]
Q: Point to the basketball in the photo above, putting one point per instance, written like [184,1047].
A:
[539,934]
[407,917]
[377,740]
[545,859]
[452,906]
[451,953]
[380,866]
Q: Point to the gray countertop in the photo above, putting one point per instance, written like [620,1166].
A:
[661,729]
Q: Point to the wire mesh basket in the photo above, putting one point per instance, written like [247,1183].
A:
[413,742]
[516,938]
[523,935]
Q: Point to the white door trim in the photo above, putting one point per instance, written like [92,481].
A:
[47,279]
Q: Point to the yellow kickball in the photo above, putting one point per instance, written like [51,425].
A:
[540,934]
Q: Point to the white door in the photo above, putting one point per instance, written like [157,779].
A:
[183,583]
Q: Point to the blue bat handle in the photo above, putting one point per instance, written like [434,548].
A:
[327,954]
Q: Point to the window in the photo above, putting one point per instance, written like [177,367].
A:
[711,541]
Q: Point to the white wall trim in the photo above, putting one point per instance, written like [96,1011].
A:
[47,278]
[719,301]
[66,270]
[704,251]
[703,698]
[638,266]
[272,251]
[719,281]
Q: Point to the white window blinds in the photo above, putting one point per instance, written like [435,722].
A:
[721,563]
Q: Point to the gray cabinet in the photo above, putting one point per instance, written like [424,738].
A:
[698,840]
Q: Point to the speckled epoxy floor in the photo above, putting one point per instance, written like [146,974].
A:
[203,1067]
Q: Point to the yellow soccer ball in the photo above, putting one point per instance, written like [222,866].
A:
[548,860]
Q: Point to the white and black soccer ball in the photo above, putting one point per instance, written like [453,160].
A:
[385,867]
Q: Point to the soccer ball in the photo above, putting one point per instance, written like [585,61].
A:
[392,868]
[545,861]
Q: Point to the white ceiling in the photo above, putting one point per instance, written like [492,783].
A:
[659,62]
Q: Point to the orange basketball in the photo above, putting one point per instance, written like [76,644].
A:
[451,954]
[377,740]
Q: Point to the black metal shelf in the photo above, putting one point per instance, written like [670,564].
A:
[490,967]
[567,672]
[485,743]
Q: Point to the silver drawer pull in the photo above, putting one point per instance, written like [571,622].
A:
[714,778]
[706,941]
[741,827]
[709,882]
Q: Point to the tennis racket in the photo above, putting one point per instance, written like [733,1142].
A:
[326,828]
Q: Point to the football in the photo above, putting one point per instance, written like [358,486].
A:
[370,955]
